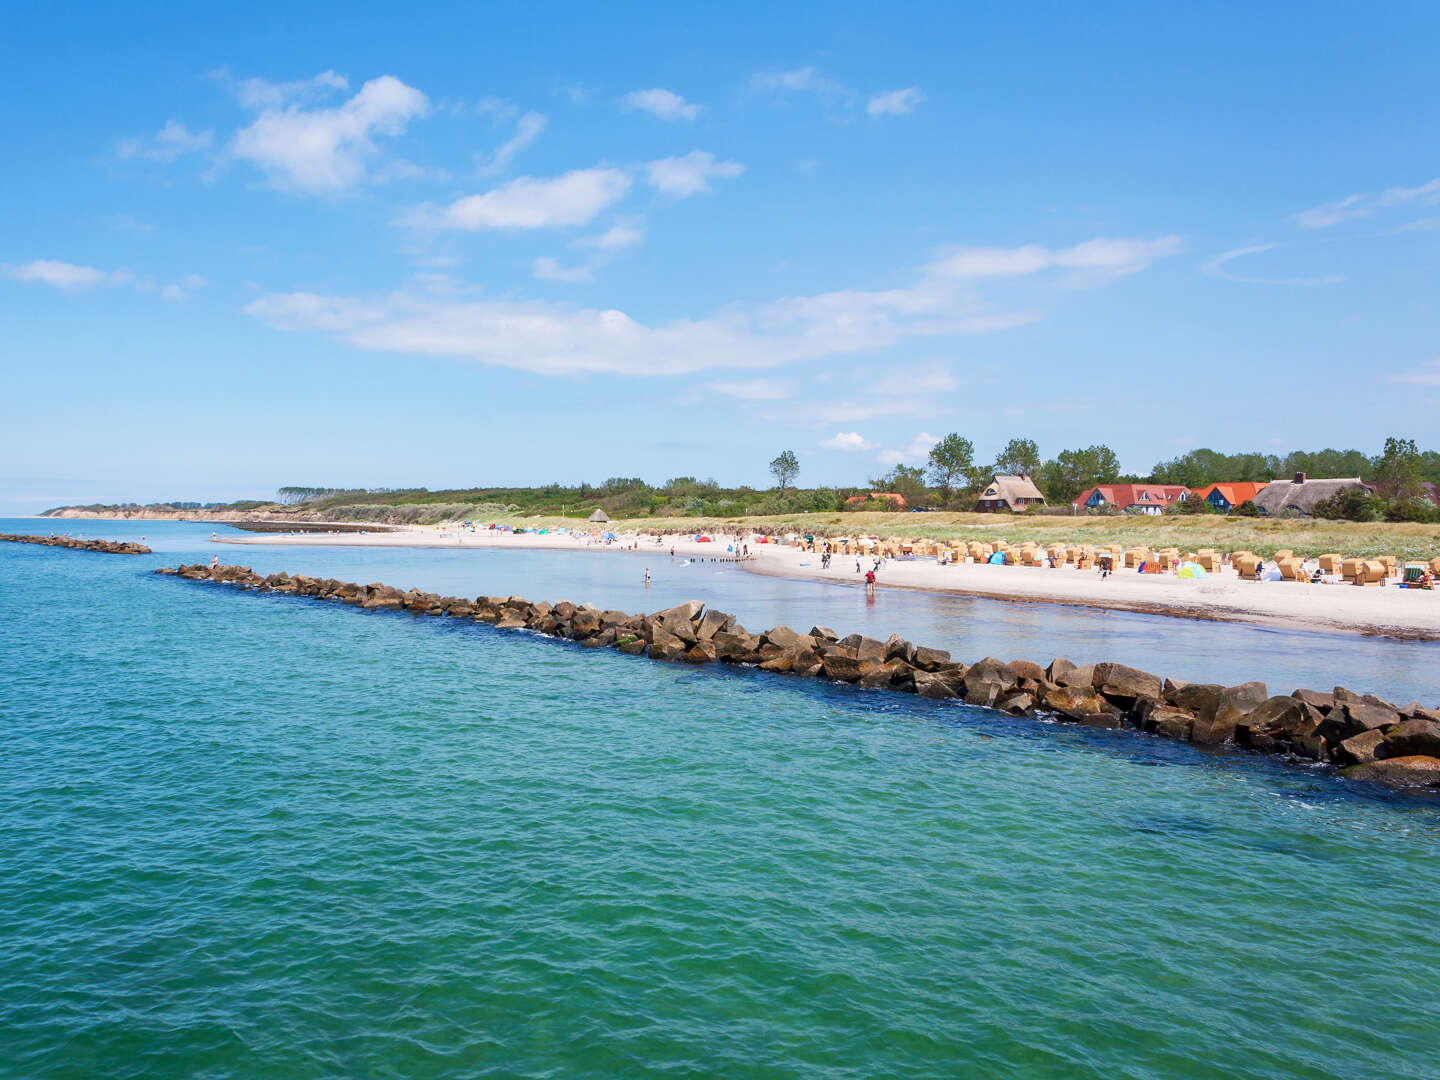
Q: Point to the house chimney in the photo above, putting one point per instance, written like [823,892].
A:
[1299,478]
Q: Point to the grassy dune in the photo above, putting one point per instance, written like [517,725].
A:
[1264,536]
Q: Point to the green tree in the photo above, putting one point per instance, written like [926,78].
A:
[1019,456]
[1072,471]
[1397,469]
[784,468]
[905,480]
[951,459]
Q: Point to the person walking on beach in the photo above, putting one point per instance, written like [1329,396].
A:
[1260,570]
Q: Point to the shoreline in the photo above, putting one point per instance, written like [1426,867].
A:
[1406,615]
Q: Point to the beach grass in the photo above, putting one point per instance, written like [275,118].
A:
[1307,537]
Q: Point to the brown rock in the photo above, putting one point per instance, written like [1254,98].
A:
[666,646]
[1215,722]
[927,659]
[841,668]
[1075,676]
[1027,669]
[1071,702]
[1316,698]
[897,648]
[1358,749]
[1274,723]
[631,646]
[509,621]
[702,652]
[712,622]
[1410,738]
[823,633]
[1059,667]
[782,636]
[938,684]
[1414,771]
[1124,684]
[988,681]
[1171,690]
[1170,723]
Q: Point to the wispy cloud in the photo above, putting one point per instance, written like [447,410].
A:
[528,127]
[917,451]
[1216,268]
[1351,207]
[1428,374]
[170,143]
[662,103]
[618,236]
[848,441]
[557,339]
[529,203]
[1106,256]
[753,389]
[805,80]
[895,102]
[681,177]
[548,269]
[323,150]
[73,277]
[1327,215]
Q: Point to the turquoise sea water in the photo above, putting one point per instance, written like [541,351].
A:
[266,837]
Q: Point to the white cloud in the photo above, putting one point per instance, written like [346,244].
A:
[548,269]
[527,203]
[617,236]
[558,339]
[806,80]
[849,441]
[681,177]
[62,275]
[753,389]
[1216,268]
[72,276]
[895,102]
[1428,375]
[918,451]
[172,141]
[1112,257]
[665,104]
[528,128]
[261,94]
[1328,214]
[1427,194]
[400,170]
[325,149]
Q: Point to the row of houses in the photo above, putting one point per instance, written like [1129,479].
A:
[1019,493]
[1297,495]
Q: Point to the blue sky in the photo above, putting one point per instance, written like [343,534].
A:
[467,245]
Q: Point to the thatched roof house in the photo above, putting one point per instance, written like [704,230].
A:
[1010,493]
[1299,496]
[600,517]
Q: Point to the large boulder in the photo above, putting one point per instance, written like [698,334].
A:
[1028,669]
[1353,717]
[928,659]
[782,636]
[1215,723]
[841,668]
[988,681]
[865,648]
[736,648]
[1123,684]
[938,684]
[1413,771]
[686,612]
[1064,673]
[1358,749]
[897,648]
[1274,724]
[1413,737]
[712,622]
[823,633]
[1072,702]
[1170,723]
[702,652]
[665,645]
[1316,698]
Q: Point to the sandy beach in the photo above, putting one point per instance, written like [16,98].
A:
[1388,611]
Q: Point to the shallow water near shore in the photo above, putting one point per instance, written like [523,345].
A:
[260,836]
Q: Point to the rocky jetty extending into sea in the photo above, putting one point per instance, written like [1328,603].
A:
[1364,736]
[111,547]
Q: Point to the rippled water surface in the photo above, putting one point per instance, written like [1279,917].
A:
[265,837]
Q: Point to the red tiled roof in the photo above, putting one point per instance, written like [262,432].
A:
[891,497]
[1128,495]
[1237,493]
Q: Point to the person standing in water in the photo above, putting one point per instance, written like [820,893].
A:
[647,577]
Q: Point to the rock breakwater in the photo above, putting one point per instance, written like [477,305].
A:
[1364,736]
[111,547]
